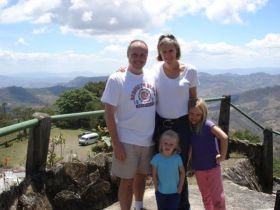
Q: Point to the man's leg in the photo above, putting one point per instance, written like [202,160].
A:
[125,193]
[144,168]
[139,188]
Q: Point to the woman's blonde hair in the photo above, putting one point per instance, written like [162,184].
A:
[168,39]
[173,135]
[201,105]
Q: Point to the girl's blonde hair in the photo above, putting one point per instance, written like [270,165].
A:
[201,105]
[173,135]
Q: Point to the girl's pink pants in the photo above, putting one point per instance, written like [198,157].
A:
[210,184]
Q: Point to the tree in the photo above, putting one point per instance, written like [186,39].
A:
[4,117]
[22,113]
[4,108]
[74,101]
[96,88]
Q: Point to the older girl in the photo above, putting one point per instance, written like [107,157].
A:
[206,156]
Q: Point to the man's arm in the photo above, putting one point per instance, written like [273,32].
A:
[192,93]
[112,128]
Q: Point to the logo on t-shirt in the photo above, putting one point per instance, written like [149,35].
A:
[143,95]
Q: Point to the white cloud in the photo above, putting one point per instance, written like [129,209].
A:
[229,11]
[41,30]
[44,19]
[28,10]
[21,41]
[87,16]
[55,63]
[257,53]
[116,22]
[3,3]
[95,17]
[270,41]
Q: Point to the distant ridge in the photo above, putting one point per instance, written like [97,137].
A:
[210,85]
[19,96]
[29,81]
[229,83]
[82,81]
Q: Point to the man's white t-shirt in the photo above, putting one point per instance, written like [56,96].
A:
[134,96]
[173,94]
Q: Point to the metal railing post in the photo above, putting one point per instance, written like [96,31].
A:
[37,150]
[267,161]
[224,116]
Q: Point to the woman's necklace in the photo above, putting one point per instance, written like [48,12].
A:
[172,72]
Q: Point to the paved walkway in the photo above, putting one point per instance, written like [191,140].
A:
[237,198]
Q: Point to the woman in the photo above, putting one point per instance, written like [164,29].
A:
[176,84]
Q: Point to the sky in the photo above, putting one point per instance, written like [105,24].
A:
[90,37]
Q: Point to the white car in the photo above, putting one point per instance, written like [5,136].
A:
[89,138]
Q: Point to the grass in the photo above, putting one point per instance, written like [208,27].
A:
[276,167]
[71,146]
[15,155]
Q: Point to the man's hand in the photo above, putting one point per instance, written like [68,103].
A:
[119,151]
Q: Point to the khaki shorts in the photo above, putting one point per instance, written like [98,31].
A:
[137,161]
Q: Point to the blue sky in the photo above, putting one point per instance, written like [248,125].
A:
[90,37]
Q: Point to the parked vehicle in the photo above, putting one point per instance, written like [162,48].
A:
[85,132]
[89,138]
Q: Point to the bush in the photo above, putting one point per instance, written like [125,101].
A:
[245,135]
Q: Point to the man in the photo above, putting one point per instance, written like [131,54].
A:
[129,99]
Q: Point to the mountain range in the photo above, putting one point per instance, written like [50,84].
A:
[257,94]
[48,79]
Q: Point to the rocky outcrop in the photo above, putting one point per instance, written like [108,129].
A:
[243,173]
[72,185]
[78,185]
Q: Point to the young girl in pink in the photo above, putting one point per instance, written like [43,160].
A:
[206,156]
